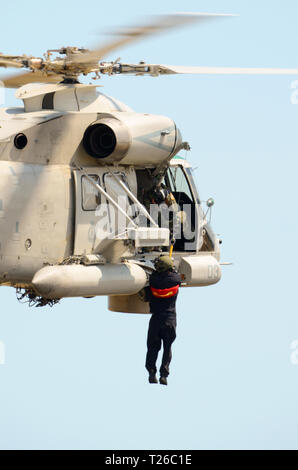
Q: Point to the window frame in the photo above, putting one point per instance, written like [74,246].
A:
[82,191]
[172,182]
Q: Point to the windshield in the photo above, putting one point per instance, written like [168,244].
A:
[189,172]
[180,181]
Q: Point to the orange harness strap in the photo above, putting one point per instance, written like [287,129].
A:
[165,293]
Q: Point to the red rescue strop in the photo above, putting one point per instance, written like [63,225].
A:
[165,293]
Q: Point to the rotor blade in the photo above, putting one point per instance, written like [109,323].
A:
[9,63]
[175,69]
[134,34]
[15,81]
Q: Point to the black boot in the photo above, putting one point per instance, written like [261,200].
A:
[152,377]
[163,381]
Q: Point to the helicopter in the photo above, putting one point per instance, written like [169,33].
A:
[78,169]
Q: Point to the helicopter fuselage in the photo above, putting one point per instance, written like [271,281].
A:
[66,160]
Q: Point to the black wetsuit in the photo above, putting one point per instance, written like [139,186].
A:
[162,295]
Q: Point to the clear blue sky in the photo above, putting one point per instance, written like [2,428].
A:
[74,375]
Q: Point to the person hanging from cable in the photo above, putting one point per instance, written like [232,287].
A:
[162,293]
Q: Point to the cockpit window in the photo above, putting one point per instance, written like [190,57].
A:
[178,183]
[189,172]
